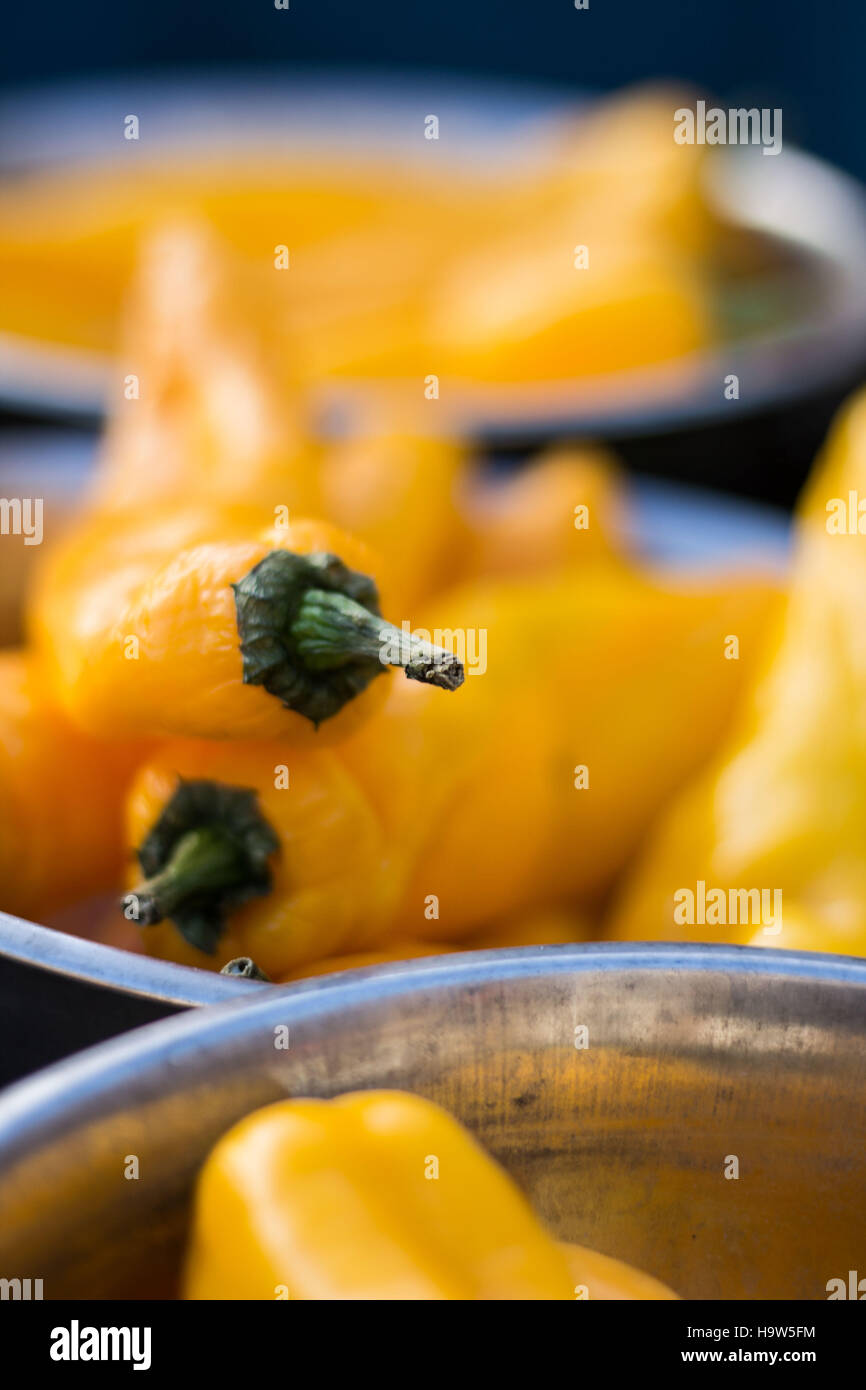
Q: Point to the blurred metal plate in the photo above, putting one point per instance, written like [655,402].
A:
[696,1053]
[816,213]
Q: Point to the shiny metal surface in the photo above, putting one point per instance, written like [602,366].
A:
[696,1054]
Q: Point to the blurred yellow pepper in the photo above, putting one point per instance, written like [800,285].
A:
[61,794]
[377,1195]
[775,829]
[621,153]
[545,305]
[200,411]
[563,508]
[589,698]
[397,490]
[610,175]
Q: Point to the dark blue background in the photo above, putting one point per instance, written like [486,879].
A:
[805,55]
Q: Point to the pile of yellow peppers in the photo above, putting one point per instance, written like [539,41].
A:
[221,653]
[205,707]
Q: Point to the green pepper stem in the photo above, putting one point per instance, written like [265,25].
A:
[203,860]
[331,629]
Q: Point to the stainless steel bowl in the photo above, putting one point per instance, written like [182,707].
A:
[696,1055]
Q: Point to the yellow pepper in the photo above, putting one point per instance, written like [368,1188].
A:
[621,154]
[774,831]
[247,849]
[590,698]
[406,223]
[63,279]
[535,306]
[562,509]
[154,612]
[195,624]
[200,411]
[602,263]
[61,795]
[396,489]
[376,1195]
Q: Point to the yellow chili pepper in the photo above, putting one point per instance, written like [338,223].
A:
[376,1195]
[562,509]
[194,624]
[62,279]
[621,154]
[61,794]
[595,697]
[202,412]
[767,846]
[245,849]
[518,312]
[397,490]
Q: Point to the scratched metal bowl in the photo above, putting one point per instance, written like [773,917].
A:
[696,1056]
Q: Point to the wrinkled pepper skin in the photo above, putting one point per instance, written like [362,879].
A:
[311,1199]
[783,808]
[324,892]
[477,814]
[606,670]
[139,628]
[61,798]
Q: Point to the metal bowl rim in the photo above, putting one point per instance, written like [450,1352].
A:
[60,1095]
[111,967]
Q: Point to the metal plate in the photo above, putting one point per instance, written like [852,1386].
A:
[695,1054]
